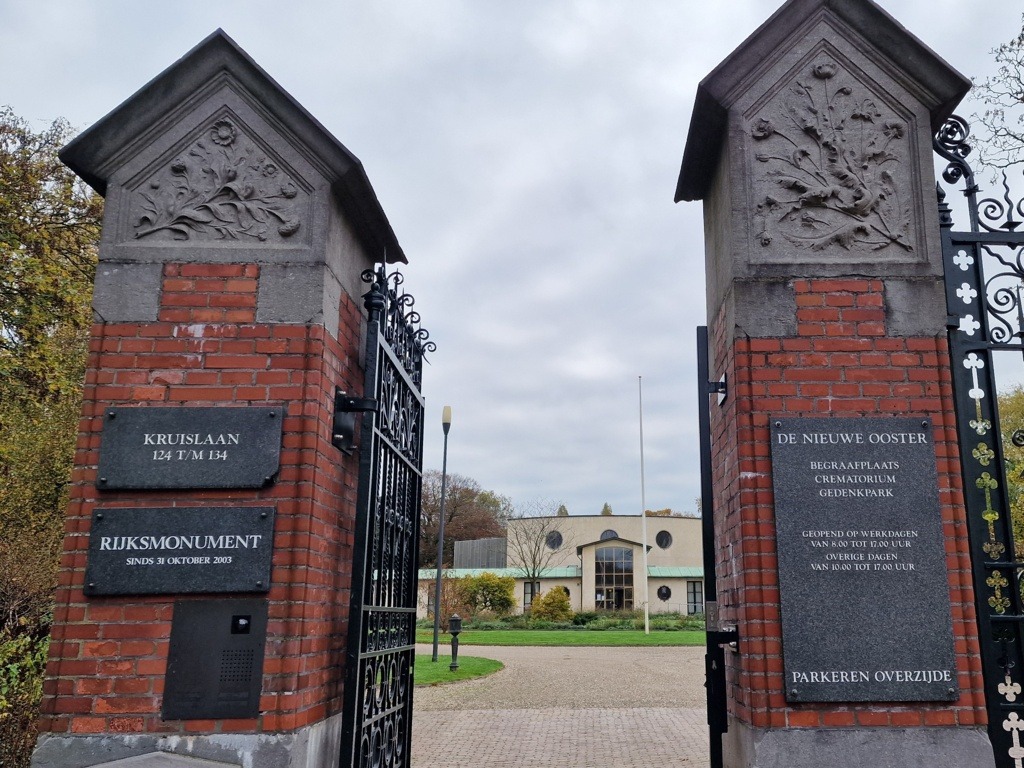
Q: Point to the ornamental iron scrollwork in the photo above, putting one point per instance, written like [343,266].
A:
[401,322]
[950,142]
[381,652]
[984,270]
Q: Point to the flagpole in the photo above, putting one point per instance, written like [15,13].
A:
[643,509]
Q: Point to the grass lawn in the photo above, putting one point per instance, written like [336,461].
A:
[429,672]
[566,637]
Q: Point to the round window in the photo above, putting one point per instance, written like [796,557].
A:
[553,540]
[609,534]
[664,539]
[664,593]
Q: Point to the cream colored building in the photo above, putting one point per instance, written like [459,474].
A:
[599,560]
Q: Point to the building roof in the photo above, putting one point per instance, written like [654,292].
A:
[568,572]
[581,547]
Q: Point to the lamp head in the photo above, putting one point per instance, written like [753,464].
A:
[446,418]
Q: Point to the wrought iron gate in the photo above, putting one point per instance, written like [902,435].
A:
[377,720]
[984,271]
[717,636]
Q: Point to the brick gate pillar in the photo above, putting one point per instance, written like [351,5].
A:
[810,147]
[235,232]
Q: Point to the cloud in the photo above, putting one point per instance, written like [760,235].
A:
[526,154]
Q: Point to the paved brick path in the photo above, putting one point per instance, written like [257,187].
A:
[568,708]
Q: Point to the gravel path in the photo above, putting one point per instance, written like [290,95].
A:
[567,708]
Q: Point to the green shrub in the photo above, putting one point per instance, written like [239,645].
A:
[488,593]
[693,621]
[485,625]
[22,661]
[544,624]
[552,606]
[668,621]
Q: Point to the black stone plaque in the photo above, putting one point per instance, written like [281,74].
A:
[215,659]
[179,550]
[189,447]
[862,566]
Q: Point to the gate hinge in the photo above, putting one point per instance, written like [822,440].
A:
[730,637]
[343,435]
[719,388]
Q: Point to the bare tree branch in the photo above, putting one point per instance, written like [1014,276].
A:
[999,126]
[536,543]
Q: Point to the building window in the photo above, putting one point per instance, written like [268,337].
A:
[531,589]
[613,578]
[608,533]
[663,539]
[694,597]
[664,593]
[553,540]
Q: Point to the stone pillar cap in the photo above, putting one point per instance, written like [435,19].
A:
[941,87]
[99,151]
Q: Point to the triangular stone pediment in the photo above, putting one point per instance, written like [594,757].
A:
[795,28]
[163,119]
[833,164]
[221,183]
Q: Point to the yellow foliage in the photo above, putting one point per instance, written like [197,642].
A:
[553,605]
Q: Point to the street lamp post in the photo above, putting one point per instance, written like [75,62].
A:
[643,510]
[446,424]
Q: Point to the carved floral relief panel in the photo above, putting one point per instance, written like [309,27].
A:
[221,187]
[831,170]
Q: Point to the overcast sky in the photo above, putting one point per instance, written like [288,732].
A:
[526,154]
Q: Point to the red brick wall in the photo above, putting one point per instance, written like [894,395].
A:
[108,655]
[840,362]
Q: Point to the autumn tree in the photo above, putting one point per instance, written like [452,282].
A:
[36,454]
[453,599]
[470,513]
[668,512]
[562,511]
[1011,419]
[49,228]
[606,509]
